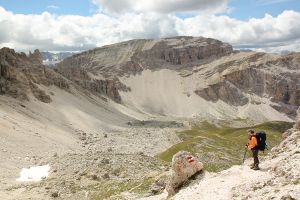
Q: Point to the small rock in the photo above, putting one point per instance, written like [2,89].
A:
[105,161]
[105,176]
[155,189]
[109,149]
[116,172]
[94,177]
[158,186]
[54,194]
[287,197]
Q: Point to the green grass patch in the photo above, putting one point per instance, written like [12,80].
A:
[220,147]
[111,188]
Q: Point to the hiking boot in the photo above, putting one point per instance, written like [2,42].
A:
[256,167]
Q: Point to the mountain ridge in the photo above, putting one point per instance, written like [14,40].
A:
[222,74]
[99,120]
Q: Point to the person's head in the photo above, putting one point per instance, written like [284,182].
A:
[250,132]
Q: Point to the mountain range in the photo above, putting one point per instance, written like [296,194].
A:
[99,118]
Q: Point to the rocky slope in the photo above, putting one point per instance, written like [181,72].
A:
[101,116]
[99,69]
[46,119]
[260,74]
[22,75]
[191,74]
[279,177]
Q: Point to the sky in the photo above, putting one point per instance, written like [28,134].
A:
[77,25]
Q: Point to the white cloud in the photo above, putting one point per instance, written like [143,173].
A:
[162,6]
[265,32]
[72,33]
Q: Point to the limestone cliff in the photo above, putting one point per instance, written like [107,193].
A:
[99,69]
[273,77]
[22,75]
[206,67]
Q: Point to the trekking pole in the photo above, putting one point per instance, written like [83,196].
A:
[244,156]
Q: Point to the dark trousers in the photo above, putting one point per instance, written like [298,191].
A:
[255,156]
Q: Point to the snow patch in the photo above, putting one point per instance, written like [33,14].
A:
[35,173]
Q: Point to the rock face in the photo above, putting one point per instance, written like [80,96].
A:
[36,57]
[199,68]
[21,75]
[297,123]
[184,165]
[276,78]
[109,87]
[218,73]
[99,70]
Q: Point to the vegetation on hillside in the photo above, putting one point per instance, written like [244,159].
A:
[220,147]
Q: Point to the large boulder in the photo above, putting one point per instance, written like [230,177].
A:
[184,165]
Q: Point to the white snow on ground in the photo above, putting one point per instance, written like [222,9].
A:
[35,173]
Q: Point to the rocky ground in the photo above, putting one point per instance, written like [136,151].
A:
[278,178]
[99,118]
[83,157]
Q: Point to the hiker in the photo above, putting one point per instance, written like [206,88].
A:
[253,146]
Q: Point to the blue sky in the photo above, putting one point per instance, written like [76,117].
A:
[245,9]
[61,7]
[239,9]
[76,25]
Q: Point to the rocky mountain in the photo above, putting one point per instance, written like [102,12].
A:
[204,67]
[99,69]
[22,75]
[99,122]
[260,74]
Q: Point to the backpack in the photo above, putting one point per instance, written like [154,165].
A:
[261,140]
